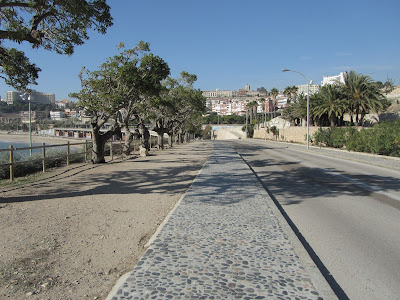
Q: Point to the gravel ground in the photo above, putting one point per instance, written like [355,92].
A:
[74,231]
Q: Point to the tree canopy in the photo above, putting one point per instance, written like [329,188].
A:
[55,25]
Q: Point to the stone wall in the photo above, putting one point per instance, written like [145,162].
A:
[295,134]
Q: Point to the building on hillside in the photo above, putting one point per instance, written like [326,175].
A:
[9,118]
[227,102]
[64,103]
[35,116]
[56,115]
[36,97]
[12,96]
[281,101]
[217,93]
[303,89]
[42,98]
[333,79]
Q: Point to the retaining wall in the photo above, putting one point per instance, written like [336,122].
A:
[294,134]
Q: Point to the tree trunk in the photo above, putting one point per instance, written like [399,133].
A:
[357,117]
[332,121]
[144,140]
[126,148]
[160,140]
[99,142]
[362,116]
[170,139]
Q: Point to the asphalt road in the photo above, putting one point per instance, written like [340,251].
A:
[347,212]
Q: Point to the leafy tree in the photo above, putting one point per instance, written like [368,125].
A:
[140,86]
[188,106]
[262,90]
[119,91]
[55,25]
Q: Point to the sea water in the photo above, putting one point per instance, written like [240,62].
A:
[15,144]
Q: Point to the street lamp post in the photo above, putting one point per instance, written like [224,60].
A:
[308,103]
[28,97]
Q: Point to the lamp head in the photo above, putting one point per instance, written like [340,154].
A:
[285,70]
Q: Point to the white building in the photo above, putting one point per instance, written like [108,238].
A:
[217,93]
[333,79]
[303,89]
[36,97]
[56,115]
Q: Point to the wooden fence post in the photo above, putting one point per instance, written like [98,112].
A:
[68,153]
[11,163]
[44,157]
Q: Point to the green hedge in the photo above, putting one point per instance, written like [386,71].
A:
[383,138]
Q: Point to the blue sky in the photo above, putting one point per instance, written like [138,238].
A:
[228,44]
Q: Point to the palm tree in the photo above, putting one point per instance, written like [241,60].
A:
[274,92]
[363,95]
[291,92]
[330,102]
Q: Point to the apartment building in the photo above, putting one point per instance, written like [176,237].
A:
[303,89]
[36,97]
[333,79]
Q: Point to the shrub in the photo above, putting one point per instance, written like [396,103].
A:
[55,157]
[275,131]
[381,139]
[336,137]
[207,132]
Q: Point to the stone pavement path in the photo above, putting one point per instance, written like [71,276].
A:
[221,242]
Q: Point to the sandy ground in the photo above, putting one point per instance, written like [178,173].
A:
[74,231]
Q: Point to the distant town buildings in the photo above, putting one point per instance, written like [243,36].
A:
[35,116]
[227,102]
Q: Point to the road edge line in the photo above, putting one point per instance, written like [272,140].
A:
[319,280]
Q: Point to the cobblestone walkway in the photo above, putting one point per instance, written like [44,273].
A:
[222,242]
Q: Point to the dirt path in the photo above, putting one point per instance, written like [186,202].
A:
[72,234]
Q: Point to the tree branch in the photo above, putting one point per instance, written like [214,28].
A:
[5,3]
[15,36]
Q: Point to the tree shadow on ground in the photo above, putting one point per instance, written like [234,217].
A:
[159,175]
[294,183]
